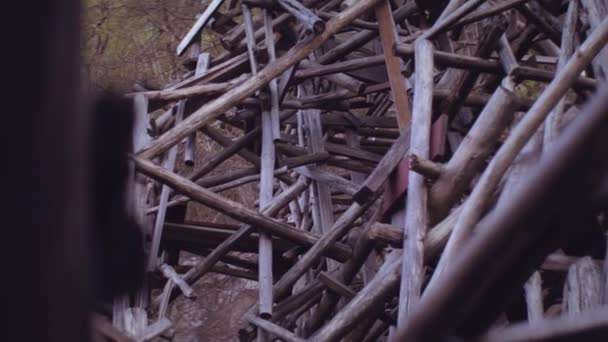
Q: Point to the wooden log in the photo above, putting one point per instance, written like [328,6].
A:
[102,326]
[475,205]
[231,208]
[273,329]
[416,219]
[343,80]
[464,81]
[562,262]
[534,298]
[156,329]
[424,167]
[190,92]
[506,56]
[202,65]
[391,159]
[371,296]
[309,20]
[597,10]
[273,84]
[339,228]
[542,19]
[588,326]
[539,207]
[170,273]
[361,38]
[339,67]
[493,66]
[335,286]
[386,233]
[266,193]
[583,287]
[352,152]
[328,179]
[164,198]
[225,154]
[449,18]
[363,247]
[486,12]
[223,248]
[215,108]
[470,156]
[198,25]
[568,44]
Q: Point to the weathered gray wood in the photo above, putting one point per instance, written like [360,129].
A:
[215,108]
[506,56]
[335,286]
[274,329]
[597,10]
[372,295]
[475,204]
[328,179]
[534,298]
[170,273]
[470,156]
[266,194]
[424,167]
[386,233]
[588,326]
[416,216]
[105,328]
[569,42]
[328,239]
[226,153]
[449,17]
[388,163]
[273,84]
[583,287]
[190,92]
[311,21]
[492,66]
[202,65]
[343,80]
[231,208]
[164,198]
[482,13]
[198,25]
[156,329]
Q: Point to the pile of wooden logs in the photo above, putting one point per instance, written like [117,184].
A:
[426,169]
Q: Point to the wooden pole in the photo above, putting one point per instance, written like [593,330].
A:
[215,108]
[416,216]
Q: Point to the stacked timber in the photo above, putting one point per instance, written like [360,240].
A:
[426,169]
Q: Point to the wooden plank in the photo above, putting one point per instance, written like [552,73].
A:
[394,64]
